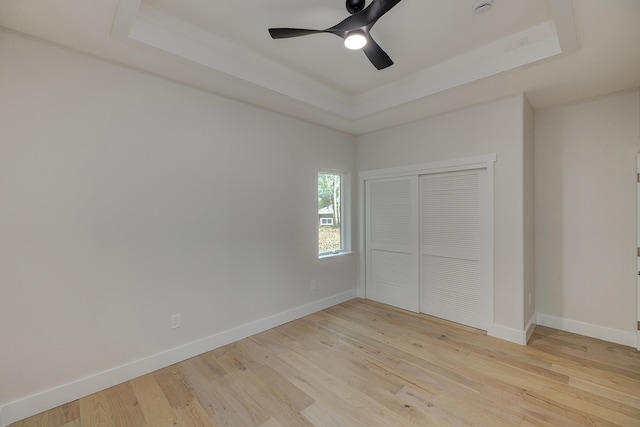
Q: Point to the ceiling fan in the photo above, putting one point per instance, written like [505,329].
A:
[354,29]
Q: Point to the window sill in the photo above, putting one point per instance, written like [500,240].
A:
[334,255]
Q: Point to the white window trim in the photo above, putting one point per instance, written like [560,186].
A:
[345,215]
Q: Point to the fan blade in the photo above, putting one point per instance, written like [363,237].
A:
[378,8]
[362,21]
[365,18]
[285,33]
[376,55]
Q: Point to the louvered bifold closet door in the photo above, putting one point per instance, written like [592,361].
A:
[451,280]
[392,245]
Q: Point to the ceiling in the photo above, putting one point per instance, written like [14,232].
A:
[446,56]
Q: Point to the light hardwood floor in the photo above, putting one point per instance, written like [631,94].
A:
[365,364]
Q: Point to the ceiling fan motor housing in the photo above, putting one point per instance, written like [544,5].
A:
[354,6]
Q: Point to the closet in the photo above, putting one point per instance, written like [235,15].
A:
[428,238]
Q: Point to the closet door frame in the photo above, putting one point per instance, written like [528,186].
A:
[487,194]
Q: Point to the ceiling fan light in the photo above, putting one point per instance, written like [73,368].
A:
[355,40]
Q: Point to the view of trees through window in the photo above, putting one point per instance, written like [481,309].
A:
[329,213]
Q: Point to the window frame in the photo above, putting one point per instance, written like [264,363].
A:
[345,215]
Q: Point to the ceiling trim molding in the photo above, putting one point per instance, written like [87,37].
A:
[152,27]
[523,48]
[124,17]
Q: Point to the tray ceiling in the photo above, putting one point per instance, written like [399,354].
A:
[445,55]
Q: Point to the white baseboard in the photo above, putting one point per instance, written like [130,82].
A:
[587,329]
[48,399]
[513,335]
[507,334]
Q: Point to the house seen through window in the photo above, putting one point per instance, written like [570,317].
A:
[330,225]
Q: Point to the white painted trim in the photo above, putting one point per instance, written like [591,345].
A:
[56,396]
[508,334]
[463,163]
[488,236]
[125,16]
[155,28]
[451,165]
[588,329]
[493,58]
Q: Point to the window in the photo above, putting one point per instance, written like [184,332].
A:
[331,214]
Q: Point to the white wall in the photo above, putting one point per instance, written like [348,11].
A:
[125,198]
[585,165]
[529,216]
[495,127]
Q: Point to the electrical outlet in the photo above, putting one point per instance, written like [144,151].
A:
[529,298]
[312,285]
[175,321]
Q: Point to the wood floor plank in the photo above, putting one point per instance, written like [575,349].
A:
[362,363]
[444,406]
[39,420]
[630,399]
[578,359]
[124,406]
[209,387]
[153,402]
[186,406]
[266,401]
[355,407]
[172,383]
[64,415]
[250,353]
[320,416]
[271,422]
[596,350]
[96,411]
[564,395]
[193,414]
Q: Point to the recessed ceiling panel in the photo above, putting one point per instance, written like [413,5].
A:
[416,33]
